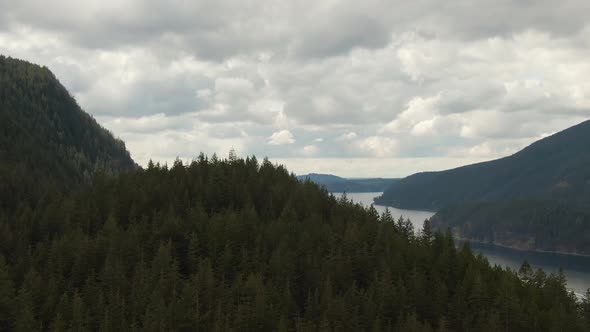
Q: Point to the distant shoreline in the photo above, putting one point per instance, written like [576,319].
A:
[462,239]
[402,208]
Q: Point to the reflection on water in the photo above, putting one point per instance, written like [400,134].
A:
[576,268]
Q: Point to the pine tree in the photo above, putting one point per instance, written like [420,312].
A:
[7,297]
[525,273]
[426,234]
[79,318]
[25,316]
[585,307]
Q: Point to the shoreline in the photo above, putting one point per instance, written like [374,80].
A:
[401,208]
[565,253]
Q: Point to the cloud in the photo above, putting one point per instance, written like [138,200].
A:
[379,146]
[338,27]
[350,80]
[418,110]
[310,151]
[282,137]
[349,136]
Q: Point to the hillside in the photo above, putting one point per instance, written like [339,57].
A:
[334,183]
[547,225]
[46,138]
[556,167]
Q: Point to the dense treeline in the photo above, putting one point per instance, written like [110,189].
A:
[221,245]
[523,224]
[556,167]
[45,138]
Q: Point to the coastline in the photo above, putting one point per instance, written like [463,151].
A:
[376,202]
[462,239]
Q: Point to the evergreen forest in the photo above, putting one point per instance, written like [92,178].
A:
[235,244]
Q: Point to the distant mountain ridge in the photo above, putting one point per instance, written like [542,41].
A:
[555,167]
[335,183]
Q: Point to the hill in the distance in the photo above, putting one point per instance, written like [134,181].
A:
[556,167]
[334,183]
[46,137]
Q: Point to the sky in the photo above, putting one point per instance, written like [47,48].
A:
[353,88]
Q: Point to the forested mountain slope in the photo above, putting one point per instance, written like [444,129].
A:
[556,167]
[548,225]
[222,245]
[334,183]
[46,138]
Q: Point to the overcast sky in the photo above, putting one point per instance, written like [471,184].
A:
[354,88]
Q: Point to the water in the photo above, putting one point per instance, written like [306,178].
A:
[366,199]
[576,268]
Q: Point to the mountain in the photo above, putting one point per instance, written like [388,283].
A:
[45,138]
[334,183]
[555,167]
[321,178]
[535,225]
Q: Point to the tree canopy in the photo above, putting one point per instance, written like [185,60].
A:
[241,245]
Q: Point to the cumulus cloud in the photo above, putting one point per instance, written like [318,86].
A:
[349,136]
[310,151]
[417,111]
[282,137]
[350,80]
[379,146]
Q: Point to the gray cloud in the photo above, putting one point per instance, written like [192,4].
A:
[338,28]
[445,81]
[219,29]
[506,17]
[144,98]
